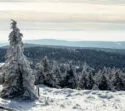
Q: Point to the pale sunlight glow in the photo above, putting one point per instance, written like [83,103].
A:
[67,19]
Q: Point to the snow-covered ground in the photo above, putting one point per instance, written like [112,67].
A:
[52,99]
[1,64]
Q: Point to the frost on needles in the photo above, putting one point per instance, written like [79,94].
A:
[18,78]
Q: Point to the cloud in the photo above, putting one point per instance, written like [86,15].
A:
[65,16]
[65,8]
[57,21]
[69,1]
[72,1]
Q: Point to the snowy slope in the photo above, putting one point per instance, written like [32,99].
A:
[52,99]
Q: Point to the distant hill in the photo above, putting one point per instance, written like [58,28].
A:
[80,44]
[3,44]
[96,44]
[26,45]
[113,47]
[111,50]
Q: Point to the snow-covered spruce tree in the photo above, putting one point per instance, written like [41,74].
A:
[18,76]
[118,81]
[46,64]
[103,82]
[63,68]
[49,79]
[39,77]
[71,78]
[60,73]
[86,77]
[46,73]
[83,80]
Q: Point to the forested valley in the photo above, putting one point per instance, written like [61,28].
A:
[76,68]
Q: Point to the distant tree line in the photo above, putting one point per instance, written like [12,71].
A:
[95,58]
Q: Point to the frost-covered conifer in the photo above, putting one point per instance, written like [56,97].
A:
[118,81]
[46,64]
[71,77]
[39,75]
[86,77]
[18,76]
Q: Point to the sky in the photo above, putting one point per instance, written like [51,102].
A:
[74,20]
